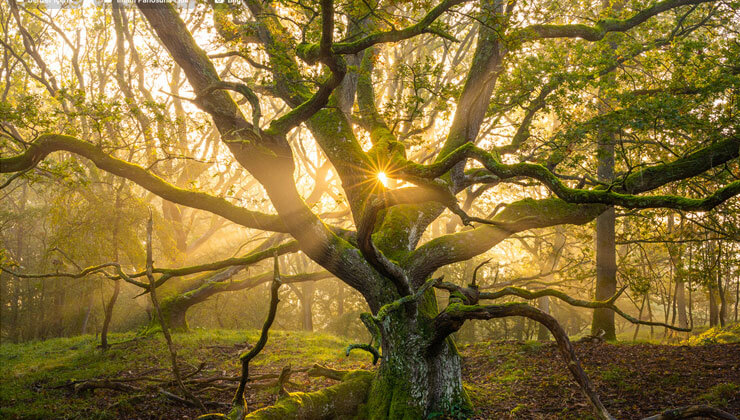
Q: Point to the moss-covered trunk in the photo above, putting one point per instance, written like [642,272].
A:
[174,311]
[415,380]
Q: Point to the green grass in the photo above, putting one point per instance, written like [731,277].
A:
[717,335]
[30,371]
[718,395]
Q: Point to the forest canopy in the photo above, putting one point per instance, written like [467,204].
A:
[408,174]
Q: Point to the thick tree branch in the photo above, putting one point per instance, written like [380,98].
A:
[602,27]
[310,52]
[574,206]
[268,157]
[622,192]
[49,143]
[453,317]
[609,303]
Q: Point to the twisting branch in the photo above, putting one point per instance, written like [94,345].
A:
[386,309]
[162,321]
[622,192]
[452,318]
[602,27]
[85,272]
[251,258]
[471,295]
[372,327]
[309,51]
[372,347]
[239,403]
[475,272]
[46,144]
[608,304]
[336,65]
[367,347]
[168,273]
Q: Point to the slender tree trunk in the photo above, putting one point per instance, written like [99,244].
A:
[606,273]
[15,304]
[639,316]
[606,247]
[606,255]
[59,301]
[722,313]
[88,311]
[109,314]
[15,330]
[519,328]
[681,304]
[43,304]
[650,314]
[117,283]
[307,306]
[713,307]
[543,334]
[217,312]
[737,295]
[691,301]
[340,300]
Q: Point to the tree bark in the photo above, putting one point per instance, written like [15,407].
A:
[713,307]
[722,313]
[606,272]
[683,321]
[411,382]
[307,306]
[543,303]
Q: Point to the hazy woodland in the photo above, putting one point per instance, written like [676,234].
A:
[297,209]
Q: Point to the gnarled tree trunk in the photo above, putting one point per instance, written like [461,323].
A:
[414,380]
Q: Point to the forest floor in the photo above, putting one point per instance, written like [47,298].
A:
[506,380]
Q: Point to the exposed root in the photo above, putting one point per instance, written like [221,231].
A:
[336,401]
[368,348]
[103,384]
[327,372]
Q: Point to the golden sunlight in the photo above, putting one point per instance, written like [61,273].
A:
[383,178]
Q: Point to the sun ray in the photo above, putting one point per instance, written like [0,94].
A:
[383,178]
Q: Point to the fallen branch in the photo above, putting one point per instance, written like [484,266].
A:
[693,411]
[337,401]
[103,384]
[327,372]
